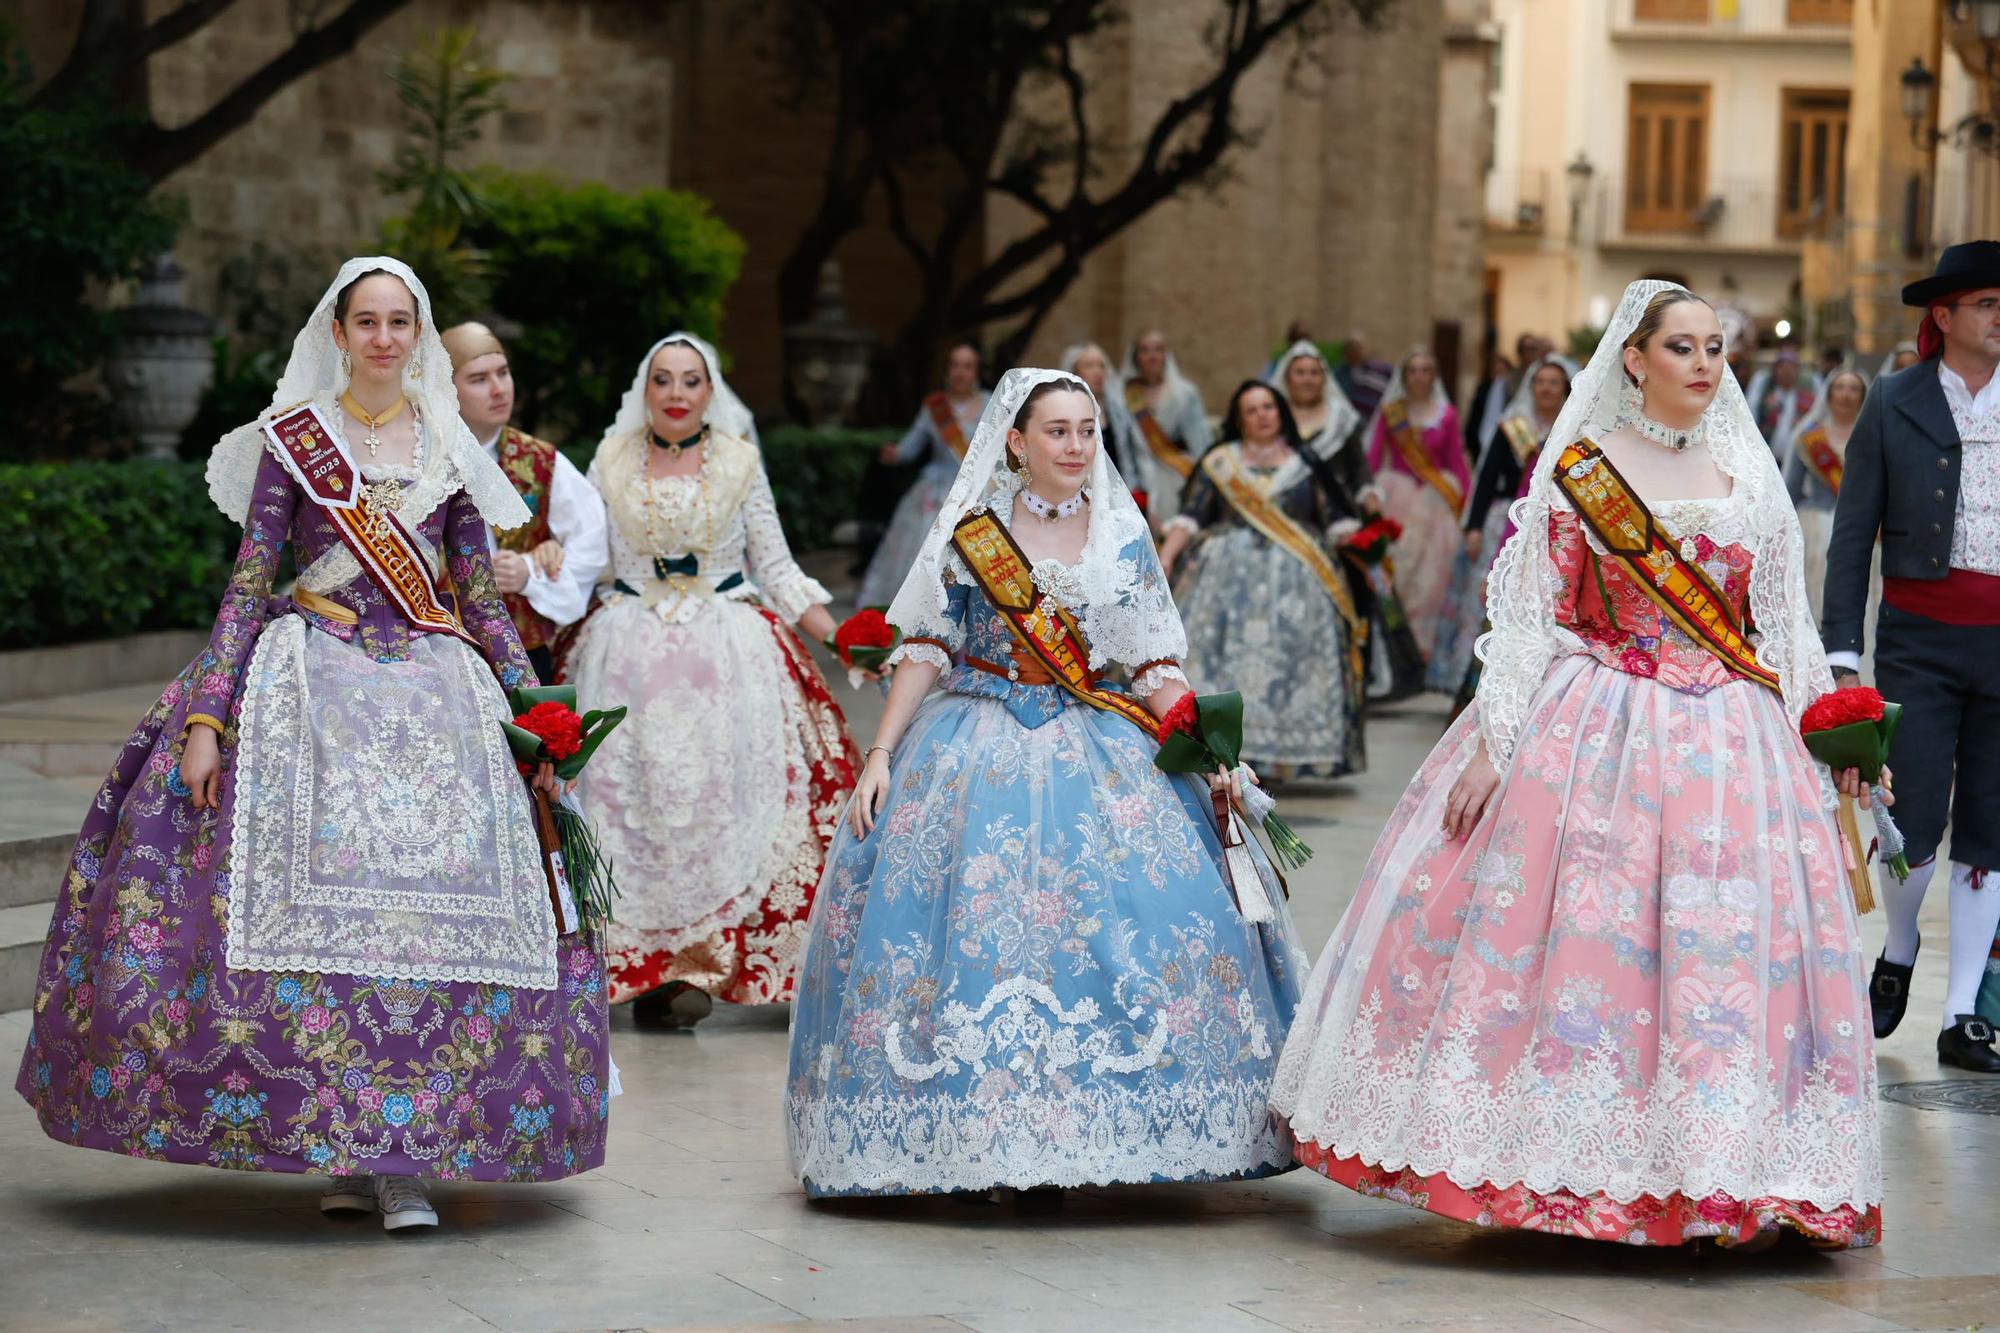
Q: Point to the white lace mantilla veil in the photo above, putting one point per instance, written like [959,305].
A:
[1816,415]
[314,373]
[1127,612]
[1114,382]
[1342,416]
[1398,391]
[1520,592]
[1128,372]
[1522,404]
[726,412]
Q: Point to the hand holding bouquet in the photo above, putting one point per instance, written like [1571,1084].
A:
[863,643]
[1204,734]
[1852,728]
[547,737]
[1371,542]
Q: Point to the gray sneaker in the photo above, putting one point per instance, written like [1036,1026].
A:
[348,1194]
[403,1203]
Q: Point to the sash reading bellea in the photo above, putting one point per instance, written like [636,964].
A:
[1046,630]
[1685,594]
[945,422]
[1158,442]
[313,453]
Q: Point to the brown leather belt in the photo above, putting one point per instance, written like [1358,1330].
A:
[1022,671]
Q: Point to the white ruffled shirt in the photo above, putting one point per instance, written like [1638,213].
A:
[1975,532]
[576,519]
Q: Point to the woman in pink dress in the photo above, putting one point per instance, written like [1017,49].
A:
[1602,974]
[1417,456]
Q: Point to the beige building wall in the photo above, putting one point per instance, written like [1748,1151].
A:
[1355,205]
[591,92]
[1566,70]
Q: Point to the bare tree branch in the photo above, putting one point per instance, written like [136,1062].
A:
[159,152]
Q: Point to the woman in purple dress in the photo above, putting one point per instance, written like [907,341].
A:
[306,927]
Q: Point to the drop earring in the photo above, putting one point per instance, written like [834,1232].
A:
[417,365]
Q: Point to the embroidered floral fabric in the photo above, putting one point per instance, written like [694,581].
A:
[1031,972]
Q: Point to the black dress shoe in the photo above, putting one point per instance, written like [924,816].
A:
[1969,1045]
[1889,994]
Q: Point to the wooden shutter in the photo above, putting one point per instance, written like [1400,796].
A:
[1670,11]
[1812,158]
[1817,13]
[1666,156]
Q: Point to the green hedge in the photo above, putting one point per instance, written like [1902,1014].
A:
[93,550]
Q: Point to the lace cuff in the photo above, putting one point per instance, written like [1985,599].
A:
[793,597]
[921,650]
[1154,675]
[1183,523]
[1341,529]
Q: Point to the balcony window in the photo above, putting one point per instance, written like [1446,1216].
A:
[1819,13]
[1812,159]
[1666,157]
[1670,11]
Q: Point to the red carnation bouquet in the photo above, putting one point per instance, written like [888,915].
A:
[1371,542]
[1204,734]
[547,730]
[1852,728]
[863,642]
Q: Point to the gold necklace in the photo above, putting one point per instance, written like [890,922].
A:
[374,421]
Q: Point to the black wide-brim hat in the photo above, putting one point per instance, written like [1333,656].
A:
[1961,268]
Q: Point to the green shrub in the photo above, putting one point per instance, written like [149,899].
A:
[588,278]
[99,549]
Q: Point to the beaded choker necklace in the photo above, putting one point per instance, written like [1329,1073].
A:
[1680,441]
[1051,510]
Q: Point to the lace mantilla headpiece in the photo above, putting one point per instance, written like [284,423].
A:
[1127,609]
[451,455]
[1520,592]
[726,412]
[1341,415]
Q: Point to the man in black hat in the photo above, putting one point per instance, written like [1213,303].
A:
[1923,467]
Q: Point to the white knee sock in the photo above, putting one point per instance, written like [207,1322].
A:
[1901,900]
[1975,916]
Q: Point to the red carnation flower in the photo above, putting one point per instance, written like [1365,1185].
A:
[558,727]
[1841,708]
[1180,718]
[866,628]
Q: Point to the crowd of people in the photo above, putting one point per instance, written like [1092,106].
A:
[1602,974]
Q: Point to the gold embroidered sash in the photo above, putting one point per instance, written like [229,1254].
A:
[1158,442]
[1042,627]
[1816,449]
[1260,511]
[945,422]
[1409,443]
[1619,520]
[320,463]
[1520,435]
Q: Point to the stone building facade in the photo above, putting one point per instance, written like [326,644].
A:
[1356,204]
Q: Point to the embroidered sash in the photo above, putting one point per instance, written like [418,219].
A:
[1817,451]
[1519,433]
[1042,627]
[319,462]
[1158,442]
[1619,520]
[530,464]
[1409,443]
[945,422]
[1256,507]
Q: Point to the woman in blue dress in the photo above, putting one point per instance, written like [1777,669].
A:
[1026,967]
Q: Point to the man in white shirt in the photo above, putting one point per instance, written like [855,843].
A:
[547,568]
[1923,468]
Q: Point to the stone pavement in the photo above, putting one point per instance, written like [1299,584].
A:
[695,1221]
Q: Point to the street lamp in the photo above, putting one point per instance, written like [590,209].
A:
[1578,174]
[1919,89]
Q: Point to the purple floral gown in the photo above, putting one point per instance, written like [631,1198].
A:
[145,1040]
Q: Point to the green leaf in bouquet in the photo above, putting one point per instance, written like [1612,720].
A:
[597,724]
[1859,745]
[524,697]
[525,745]
[1219,718]
[1182,753]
